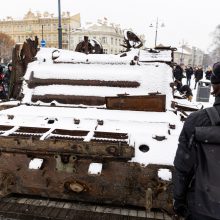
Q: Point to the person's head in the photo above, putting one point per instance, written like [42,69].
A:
[209,68]
[10,66]
[215,79]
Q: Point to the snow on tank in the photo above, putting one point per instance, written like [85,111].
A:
[88,151]
[55,78]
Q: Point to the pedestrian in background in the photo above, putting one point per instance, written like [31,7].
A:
[183,90]
[2,88]
[178,73]
[7,78]
[196,176]
[208,73]
[198,75]
[189,73]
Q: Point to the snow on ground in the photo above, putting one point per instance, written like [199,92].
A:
[195,91]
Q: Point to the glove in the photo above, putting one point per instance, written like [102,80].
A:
[180,208]
[189,98]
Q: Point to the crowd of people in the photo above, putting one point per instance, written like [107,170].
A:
[189,73]
[196,72]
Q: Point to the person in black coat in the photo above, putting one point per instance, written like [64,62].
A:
[183,89]
[189,73]
[185,203]
[7,78]
[2,88]
[178,73]
[208,73]
[198,75]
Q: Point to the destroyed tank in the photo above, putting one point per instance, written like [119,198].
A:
[93,128]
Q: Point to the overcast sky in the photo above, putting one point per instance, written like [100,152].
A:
[191,21]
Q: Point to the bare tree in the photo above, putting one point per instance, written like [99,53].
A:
[6,46]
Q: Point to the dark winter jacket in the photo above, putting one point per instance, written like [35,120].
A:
[198,74]
[178,73]
[185,159]
[7,76]
[189,72]
[1,77]
[208,74]
[185,90]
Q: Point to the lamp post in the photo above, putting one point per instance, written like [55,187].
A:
[183,44]
[156,30]
[42,31]
[59,26]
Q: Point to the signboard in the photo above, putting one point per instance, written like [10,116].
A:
[43,43]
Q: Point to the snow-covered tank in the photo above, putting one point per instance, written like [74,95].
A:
[94,128]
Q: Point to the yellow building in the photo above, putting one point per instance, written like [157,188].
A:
[42,25]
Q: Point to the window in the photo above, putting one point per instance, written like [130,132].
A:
[112,40]
[105,51]
[116,42]
[104,40]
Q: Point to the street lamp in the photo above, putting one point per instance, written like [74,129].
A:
[156,28]
[42,32]
[182,55]
[59,26]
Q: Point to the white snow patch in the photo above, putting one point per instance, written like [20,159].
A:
[165,174]
[35,164]
[95,169]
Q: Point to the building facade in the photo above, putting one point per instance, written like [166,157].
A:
[109,35]
[44,26]
[197,57]
[189,56]
[182,56]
